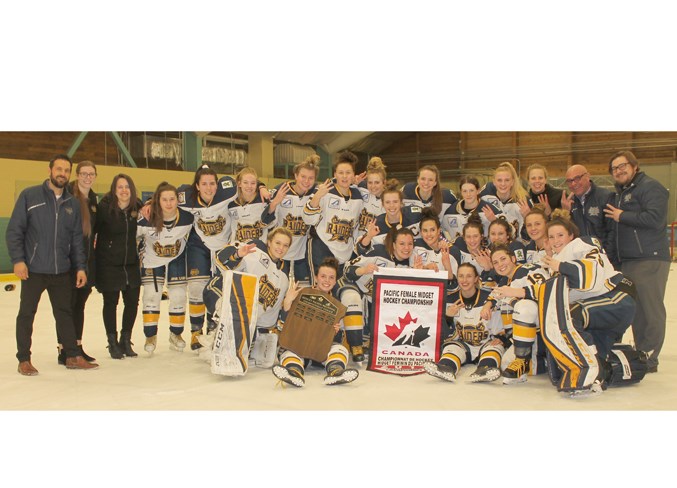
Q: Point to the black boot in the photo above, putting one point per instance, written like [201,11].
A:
[87,357]
[114,347]
[61,358]
[126,343]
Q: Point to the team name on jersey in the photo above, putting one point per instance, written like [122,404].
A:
[295,224]
[267,292]
[168,251]
[472,334]
[248,232]
[365,218]
[211,227]
[340,230]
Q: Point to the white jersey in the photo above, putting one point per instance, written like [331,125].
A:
[373,207]
[457,216]
[161,249]
[469,327]
[409,218]
[587,268]
[429,255]
[212,222]
[335,221]
[524,276]
[289,214]
[246,223]
[412,197]
[378,256]
[509,208]
[273,279]
[534,254]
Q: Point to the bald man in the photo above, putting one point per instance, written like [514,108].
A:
[587,202]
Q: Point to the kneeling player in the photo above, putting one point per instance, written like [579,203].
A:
[477,332]
[292,367]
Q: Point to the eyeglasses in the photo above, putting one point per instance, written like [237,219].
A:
[87,175]
[575,180]
[620,167]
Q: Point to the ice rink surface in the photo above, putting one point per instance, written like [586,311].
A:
[171,407]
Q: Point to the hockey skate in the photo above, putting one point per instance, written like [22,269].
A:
[595,389]
[485,374]
[289,375]
[176,342]
[357,353]
[151,343]
[439,371]
[517,371]
[206,340]
[195,340]
[338,375]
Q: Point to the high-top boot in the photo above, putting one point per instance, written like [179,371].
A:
[114,347]
[126,344]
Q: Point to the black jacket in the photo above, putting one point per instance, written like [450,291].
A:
[554,196]
[46,233]
[88,242]
[117,258]
[590,219]
[641,230]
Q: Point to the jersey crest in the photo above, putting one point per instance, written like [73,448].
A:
[286,203]
[168,251]
[246,232]
[211,227]
[295,224]
[334,203]
[267,292]
[365,218]
[472,334]
[340,230]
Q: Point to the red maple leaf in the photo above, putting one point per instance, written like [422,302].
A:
[393,331]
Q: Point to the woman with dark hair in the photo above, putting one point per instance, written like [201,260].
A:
[427,191]
[81,189]
[432,248]
[117,262]
[470,204]
[163,242]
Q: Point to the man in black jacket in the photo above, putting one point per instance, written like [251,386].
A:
[44,240]
[586,203]
[640,210]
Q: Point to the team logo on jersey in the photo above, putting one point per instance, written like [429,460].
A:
[227,184]
[415,209]
[295,224]
[286,203]
[334,203]
[340,230]
[233,213]
[381,263]
[423,254]
[211,227]
[519,254]
[593,211]
[267,292]
[182,197]
[365,217]
[194,272]
[453,222]
[264,260]
[473,334]
[365,197]
[627,197]
[168,251]
[246,232]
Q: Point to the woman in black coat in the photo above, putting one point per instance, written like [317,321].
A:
[117,262]
[81,189]
[540,190]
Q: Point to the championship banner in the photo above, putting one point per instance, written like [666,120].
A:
[407,316]
[237,323]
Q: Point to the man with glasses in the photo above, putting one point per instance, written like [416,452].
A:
[587,202]
[639,211]
[44,241]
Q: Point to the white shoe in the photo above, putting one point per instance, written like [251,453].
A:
[441,372]
[151,344]
[176,342]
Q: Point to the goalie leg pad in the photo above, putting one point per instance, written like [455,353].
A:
[264,350]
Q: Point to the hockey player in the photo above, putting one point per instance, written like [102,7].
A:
[457,215]
[535,224]
[469,248]
[396,251]
[266,262]
[476,332]
[372,191]
[292,367]
[286,210]
[334,213]
[428,192]
[519,312]
[507,194]
[163,239]
[432,248]
[395,216]
[246,209]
